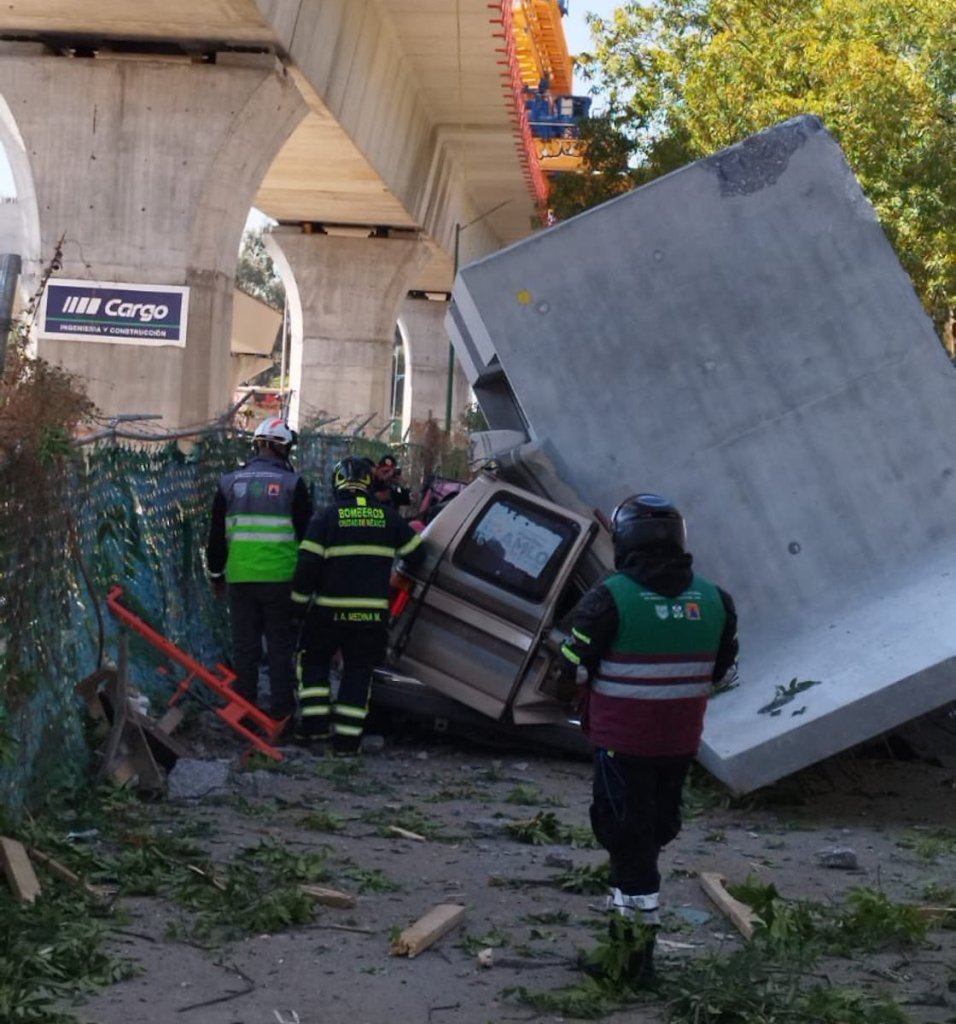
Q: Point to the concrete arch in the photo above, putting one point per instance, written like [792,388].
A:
[293,299]
[149,168]
[19,218]
[408,383]
[344,290]
[427,364]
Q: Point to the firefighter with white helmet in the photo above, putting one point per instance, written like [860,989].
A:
[259,515]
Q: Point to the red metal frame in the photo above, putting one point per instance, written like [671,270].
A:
[527,150]
[237,710]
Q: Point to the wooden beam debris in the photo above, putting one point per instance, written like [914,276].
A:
[427,930]
[128,754]
[329,897]
[741,916]
[171,720]
[18,869]
[61,871]
[403,833]
[937,916]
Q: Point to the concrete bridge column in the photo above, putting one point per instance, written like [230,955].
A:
[147,168]
[344,296]
[427,347]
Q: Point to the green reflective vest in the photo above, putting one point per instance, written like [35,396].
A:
[262,545]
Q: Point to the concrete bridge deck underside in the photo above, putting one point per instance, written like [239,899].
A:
[410,122]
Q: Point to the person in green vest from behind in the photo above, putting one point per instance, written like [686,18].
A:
[259,515]
[646,646]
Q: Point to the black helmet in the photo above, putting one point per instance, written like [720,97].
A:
[353,473]
[646,521]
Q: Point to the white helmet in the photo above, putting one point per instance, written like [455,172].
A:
[274,429]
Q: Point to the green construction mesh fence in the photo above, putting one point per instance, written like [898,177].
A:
[135,518]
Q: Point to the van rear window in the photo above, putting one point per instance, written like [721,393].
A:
[516,545]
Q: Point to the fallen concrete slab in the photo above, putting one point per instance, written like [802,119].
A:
[740,336]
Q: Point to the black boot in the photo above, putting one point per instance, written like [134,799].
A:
[635,942]
[345,746]
[639,972]
[625,958]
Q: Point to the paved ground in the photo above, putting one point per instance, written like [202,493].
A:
[338,969]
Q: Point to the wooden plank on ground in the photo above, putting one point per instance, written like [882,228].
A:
[62,872]
[88,688]
[171,720]
[740,915]
[403,833]
[116,694]
[936,915]
[18,869]
[329,897]
[428,929]
[166,750]
[149,777]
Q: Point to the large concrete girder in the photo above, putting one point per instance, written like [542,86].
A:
[411,120]
[142,194]
[217,23]
[344,296]
[740,336]
[417,86]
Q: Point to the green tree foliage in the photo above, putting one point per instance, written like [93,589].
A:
[255,273]
[684,78]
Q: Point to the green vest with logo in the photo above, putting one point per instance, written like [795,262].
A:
[649,691]
[262,545]
[650,623]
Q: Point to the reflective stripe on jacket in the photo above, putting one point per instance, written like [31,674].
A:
[649,691]
[260,534]
[345,561]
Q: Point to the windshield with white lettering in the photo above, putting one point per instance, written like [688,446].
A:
[517,546]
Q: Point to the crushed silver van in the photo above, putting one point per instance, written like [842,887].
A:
[477,627]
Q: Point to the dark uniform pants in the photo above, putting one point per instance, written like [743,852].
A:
[362,648]
[636,812]
[260,610]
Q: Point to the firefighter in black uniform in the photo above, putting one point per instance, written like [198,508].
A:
[340,590]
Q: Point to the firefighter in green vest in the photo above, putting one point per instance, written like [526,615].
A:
[259,515]
[646,647]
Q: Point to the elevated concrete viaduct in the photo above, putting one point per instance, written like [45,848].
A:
[371,130]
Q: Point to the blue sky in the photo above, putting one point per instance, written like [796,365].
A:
[576,30]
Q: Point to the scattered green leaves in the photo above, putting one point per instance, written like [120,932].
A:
[868,920]
[51,950]
[531,796]
[749,988]
[783,695]
[322,821]
[495,939]
[545,828]
[930,844]
[369,879]
[405,817]
[589,880]
[588,1000]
